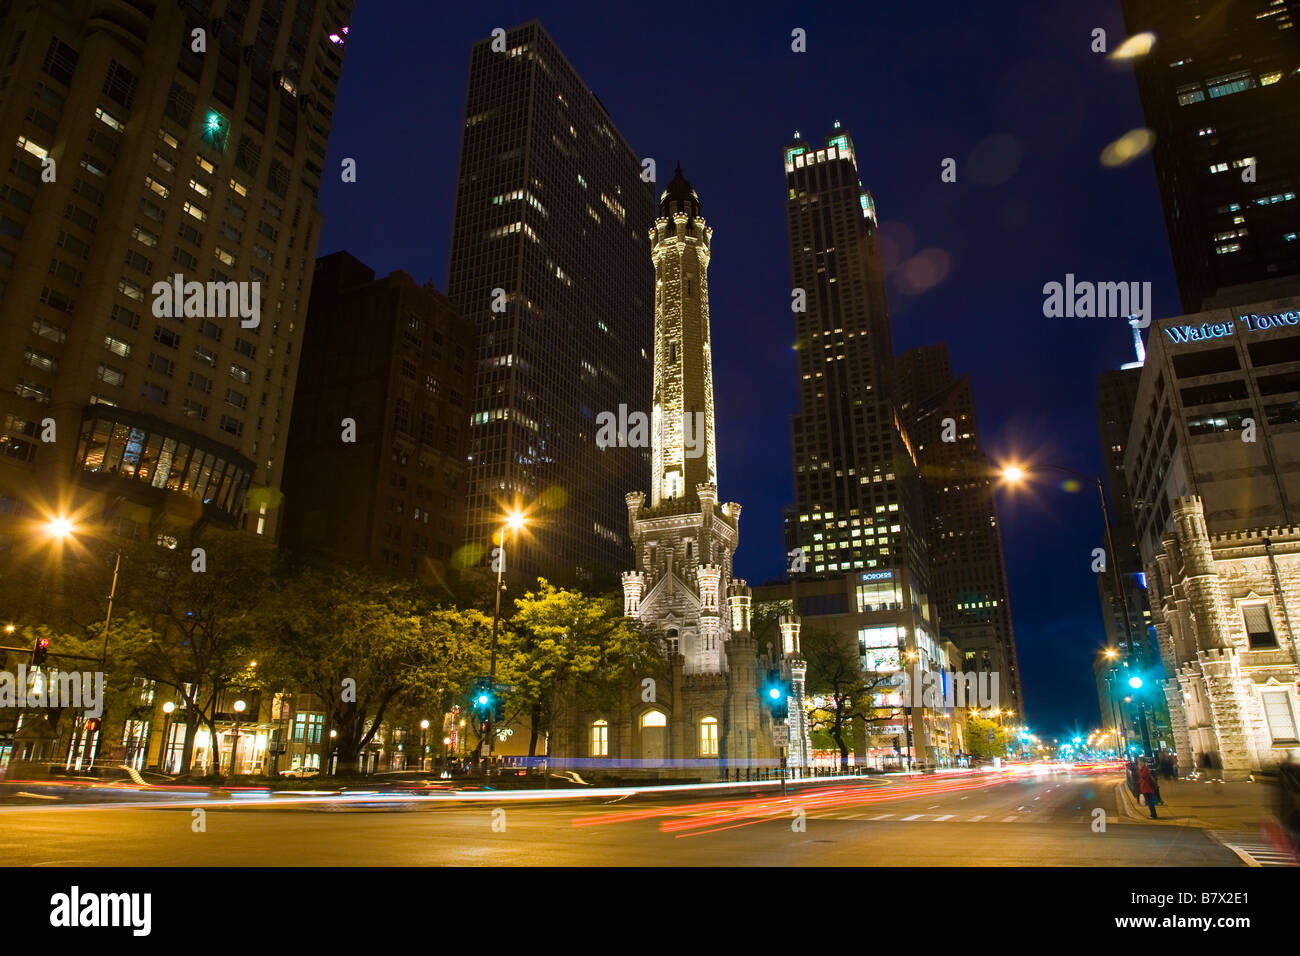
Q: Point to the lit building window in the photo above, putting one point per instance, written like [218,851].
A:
[709,737]
[34,148]
[600,738]
[1280,715]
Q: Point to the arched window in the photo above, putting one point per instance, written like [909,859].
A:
[600,738]
[709,737]
[654,718]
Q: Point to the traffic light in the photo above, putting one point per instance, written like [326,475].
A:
[775,693]
[499,710]
[483,701]
[40,651]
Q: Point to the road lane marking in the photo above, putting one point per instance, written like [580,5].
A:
[1010,819]
[978,818]
[915,816]
[946,816]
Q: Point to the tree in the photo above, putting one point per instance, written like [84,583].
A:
[192,630]
[984,738]
[836,678]
[363,642]
[562,638]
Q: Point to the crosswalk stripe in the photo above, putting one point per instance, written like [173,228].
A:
[1259,853]
[978,818]
[946,816]
[1011,819]
[915,816]
[883,816]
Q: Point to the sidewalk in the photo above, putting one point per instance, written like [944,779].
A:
[1209,805]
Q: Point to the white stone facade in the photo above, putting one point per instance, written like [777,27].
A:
[1223,607]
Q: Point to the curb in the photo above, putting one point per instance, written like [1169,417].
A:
[1132,809]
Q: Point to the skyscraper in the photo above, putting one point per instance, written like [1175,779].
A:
[858,509]
[158,145]
[963,537]
[550,257]
[1221,90]
[395,359]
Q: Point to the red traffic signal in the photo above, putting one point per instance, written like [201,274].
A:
[40,651]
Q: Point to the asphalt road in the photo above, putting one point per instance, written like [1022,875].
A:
[1046,820]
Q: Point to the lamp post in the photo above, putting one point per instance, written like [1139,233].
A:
[907,712]
[1116,712]
[60,528]
[1013,474]
[514,521]
[165,758]
[424,751]
[234,743]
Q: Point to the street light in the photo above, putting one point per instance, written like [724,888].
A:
[61,528]
[907,712]
[513,522]
[1014,474]
[234,744]
[1116,712]
[166,757]
[424,726]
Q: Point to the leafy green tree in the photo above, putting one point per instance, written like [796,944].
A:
[363,643]
[561,638]
[984,738]
[189,621]
[836,678]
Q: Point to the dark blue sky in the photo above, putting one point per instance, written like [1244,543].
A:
[1012,91]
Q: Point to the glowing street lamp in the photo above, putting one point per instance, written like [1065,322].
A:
[59,527]
[513,522]
[1014,474]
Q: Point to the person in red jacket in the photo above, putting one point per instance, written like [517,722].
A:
[1147,787]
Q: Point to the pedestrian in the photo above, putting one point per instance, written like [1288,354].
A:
[1147,787]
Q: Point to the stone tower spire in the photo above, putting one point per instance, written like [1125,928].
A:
[683,450]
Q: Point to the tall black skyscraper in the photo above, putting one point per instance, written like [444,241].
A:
[968,575]
[1221,89]
[857,496]
[171,163]
[550,256]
